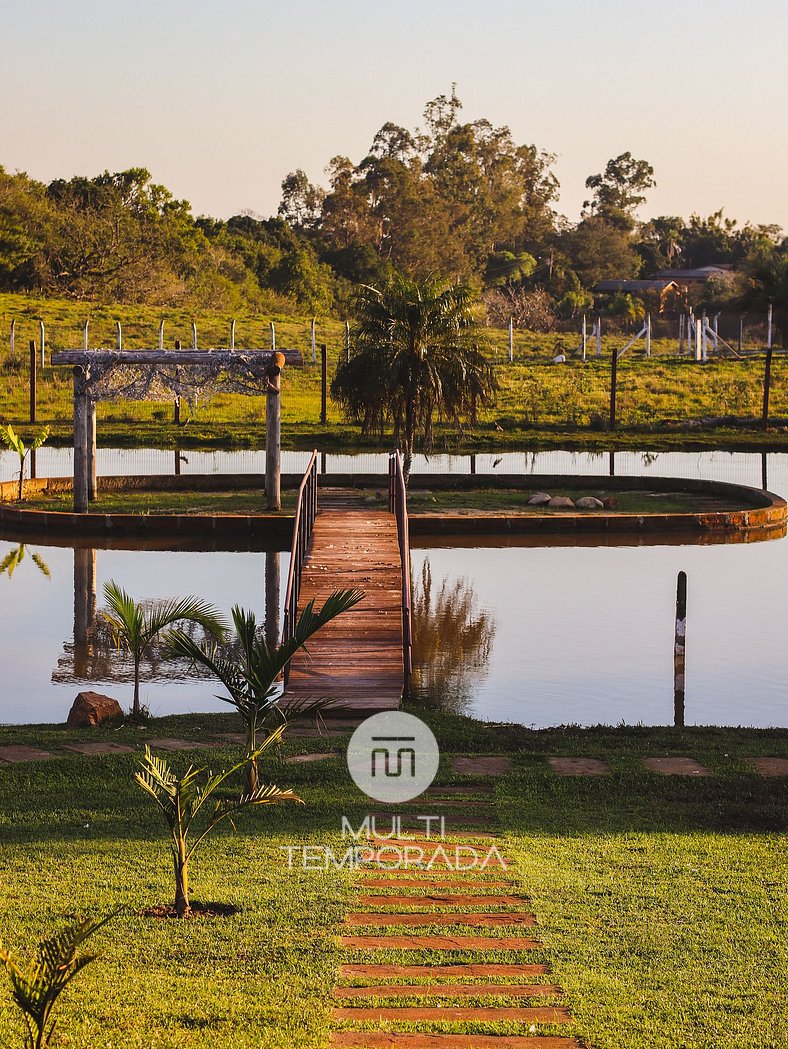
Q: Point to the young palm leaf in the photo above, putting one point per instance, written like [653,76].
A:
[182,798]
[12,440]
[133,626]
[35,989]
[251,680]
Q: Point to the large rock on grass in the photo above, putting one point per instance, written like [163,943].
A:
[91,708]
[539,499]
[589,502]
[561,502]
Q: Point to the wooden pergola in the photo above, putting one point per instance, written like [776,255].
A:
[154,374]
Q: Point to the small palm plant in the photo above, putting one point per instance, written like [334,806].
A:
[182,799]
[251,680]
[37,987]
[134,626]
[12,440]
[15,557]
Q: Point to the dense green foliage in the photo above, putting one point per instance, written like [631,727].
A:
[453,197]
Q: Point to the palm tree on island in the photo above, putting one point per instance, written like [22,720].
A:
[417,358]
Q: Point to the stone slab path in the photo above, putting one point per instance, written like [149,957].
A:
[481,911]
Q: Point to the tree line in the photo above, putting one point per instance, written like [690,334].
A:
[459,199]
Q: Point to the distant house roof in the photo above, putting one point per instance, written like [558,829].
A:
[697,276]
[656,285]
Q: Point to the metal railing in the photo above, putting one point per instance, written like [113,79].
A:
[398,505]
[306,511]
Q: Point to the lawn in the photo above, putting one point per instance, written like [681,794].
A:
[660,900]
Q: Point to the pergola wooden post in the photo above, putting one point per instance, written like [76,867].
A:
[248,366]
[82,444]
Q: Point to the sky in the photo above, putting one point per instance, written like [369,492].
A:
[221,100]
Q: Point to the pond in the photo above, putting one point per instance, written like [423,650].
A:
[508,631]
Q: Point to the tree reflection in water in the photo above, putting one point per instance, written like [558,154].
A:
[451,642]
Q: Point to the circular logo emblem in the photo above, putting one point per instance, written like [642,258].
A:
[393,756]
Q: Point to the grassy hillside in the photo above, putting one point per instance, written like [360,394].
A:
[539,403]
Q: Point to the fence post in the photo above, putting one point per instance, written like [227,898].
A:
[767,380]
[161,334]
[273,338]
[741,333]
[12,338]
[648,334]
[681,334]
[85,336]
[42,336]
[312,340]
[323,382]
[599,336]
[194,335]
[679,650]
[769,328]
[177,402]
[511,340]
[613,382]
[583,336]
[33,380]
[232,334]
[347,341]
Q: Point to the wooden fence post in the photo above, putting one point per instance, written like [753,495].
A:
[583,338]
[12,338]
[86,335]
[42,336]
[511,340]
[91,452]
[161,335]
[120,334]
[347,341]
[741,333]
[232,334]
[194,335]
[679,650]
[312,340]
[177,402]
[767,381]
[273,338]
[272,591]
[33,380]
[323,383]
[613,383]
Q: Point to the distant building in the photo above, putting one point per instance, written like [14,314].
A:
[658,289]
[686,278]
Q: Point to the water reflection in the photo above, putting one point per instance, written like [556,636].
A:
[451,641]
[16,556]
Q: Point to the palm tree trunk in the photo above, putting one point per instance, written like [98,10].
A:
[181,865]
[135,710]
[252,770]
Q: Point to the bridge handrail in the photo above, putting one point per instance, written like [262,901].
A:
[306,511]
[398,505]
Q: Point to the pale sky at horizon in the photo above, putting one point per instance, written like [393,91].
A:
[221,103]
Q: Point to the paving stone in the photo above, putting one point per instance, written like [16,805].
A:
[488,970]
[676,766]
[441,943]
[98,748]
[450,990]
[179,744]
[484,921]
[298,759]
[771,767]
[19,752]
[474,765]
[451,1014]
[580,766]
[477,900]
[403,1040]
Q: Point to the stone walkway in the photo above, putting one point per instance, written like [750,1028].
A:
[485,913]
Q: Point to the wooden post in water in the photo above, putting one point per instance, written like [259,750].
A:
[84,606]
[764,472]
[323,382]
[767,381]
[473,463]
[679,650]
[81,438]
[33,380]
[273,433]
[613,382]
[611,464]
[272,588]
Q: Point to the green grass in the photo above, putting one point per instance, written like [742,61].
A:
[154,502]
[539,404]
[658,898]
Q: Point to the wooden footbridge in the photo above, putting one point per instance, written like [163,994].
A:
[361,660]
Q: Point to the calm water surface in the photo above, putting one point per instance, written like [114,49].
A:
[538,635]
